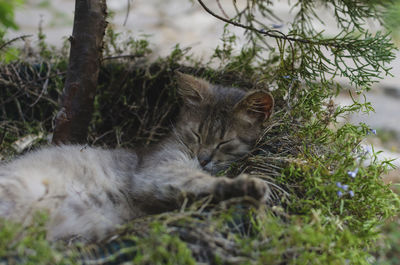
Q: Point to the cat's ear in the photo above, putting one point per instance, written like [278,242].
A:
[256,106]
[193,90]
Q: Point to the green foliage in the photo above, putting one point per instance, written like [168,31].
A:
[392,19]
[304,152]
[27,244]
[313,239]
[7,54]
[354,52]
[116,46]
[166,249]
[319,176]
[301,68]
[7,8]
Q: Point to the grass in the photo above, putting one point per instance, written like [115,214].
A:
[328,204]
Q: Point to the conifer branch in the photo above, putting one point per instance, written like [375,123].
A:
[272,32]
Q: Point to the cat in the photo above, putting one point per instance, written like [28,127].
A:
[89,191]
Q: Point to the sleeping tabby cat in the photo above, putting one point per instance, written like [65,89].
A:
[88,191]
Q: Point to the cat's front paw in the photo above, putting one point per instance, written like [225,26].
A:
[242,185]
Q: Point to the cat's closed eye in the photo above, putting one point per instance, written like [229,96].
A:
[233,149]
[227,148]
[197,136]
[223,143]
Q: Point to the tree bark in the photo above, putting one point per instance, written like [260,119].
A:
[72,120]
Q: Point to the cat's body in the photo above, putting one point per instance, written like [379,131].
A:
[89,191]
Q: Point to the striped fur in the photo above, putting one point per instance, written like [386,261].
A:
[88,191]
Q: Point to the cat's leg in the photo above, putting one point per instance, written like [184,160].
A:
[171,184]
[200,184]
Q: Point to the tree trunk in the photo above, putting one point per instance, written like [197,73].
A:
[72,120]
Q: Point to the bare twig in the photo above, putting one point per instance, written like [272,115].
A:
[127,11]
[51,76]
[3,135]
[101,136]
[25,87]
[222,10]
[128,56]
[44,88]
[15,39]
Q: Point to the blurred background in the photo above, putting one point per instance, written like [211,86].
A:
[168,22]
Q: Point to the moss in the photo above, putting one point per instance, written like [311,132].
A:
[305,156]
[166,249]
[28,245]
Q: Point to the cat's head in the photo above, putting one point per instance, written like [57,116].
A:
[219,124]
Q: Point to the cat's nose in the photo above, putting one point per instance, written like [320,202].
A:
[204,160]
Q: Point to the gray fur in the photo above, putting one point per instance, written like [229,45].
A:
[88,191]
